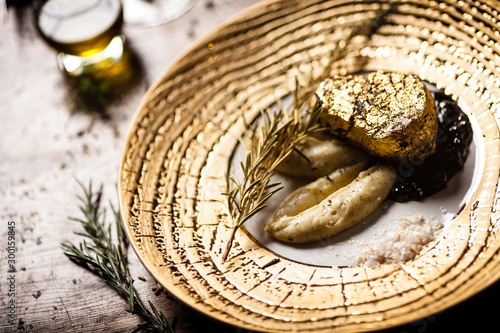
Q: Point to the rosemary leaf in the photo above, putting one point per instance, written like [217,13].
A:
[105,254]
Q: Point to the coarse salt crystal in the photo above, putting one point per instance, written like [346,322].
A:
[400,245]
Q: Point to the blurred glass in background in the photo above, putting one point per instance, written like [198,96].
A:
[91,49]
[154,12]
[86,33]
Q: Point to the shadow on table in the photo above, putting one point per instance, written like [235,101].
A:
[476,314]
[96,92]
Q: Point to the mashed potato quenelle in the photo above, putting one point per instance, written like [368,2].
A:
[319,155]
[341,209]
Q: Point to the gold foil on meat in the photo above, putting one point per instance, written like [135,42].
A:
[391,115]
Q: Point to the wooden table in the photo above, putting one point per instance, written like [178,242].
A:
[47,143]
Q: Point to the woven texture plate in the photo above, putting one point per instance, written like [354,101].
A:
[181,141]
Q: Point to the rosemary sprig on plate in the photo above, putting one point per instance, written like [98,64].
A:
[105,254]
[268,144]
[270,141]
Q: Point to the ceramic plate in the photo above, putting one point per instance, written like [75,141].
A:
[184,136]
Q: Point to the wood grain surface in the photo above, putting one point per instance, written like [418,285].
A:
[47,142]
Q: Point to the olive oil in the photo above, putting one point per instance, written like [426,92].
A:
[80,27]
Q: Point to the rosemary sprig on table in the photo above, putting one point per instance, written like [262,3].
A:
[106,255]
[269,142]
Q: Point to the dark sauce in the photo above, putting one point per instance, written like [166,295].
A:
[418,179]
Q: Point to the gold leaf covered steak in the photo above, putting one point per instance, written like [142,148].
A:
[391,115]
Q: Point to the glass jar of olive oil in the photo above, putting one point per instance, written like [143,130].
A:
[86,33]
